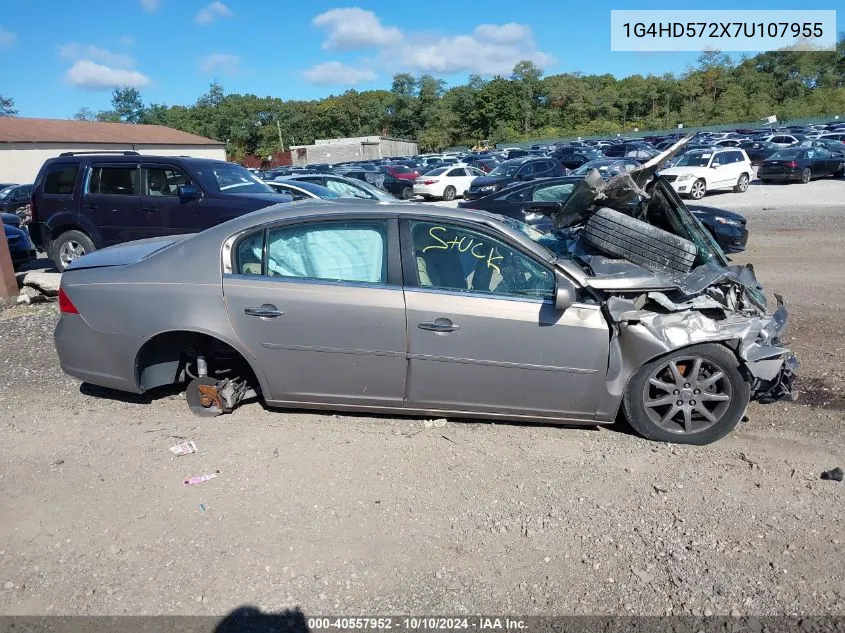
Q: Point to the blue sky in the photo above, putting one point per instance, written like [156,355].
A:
[56,57]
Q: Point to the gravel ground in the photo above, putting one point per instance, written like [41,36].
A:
[361,515]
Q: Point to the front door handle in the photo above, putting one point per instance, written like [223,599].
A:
[439,325]
[266,311]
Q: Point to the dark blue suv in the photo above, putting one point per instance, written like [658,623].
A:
[85,201]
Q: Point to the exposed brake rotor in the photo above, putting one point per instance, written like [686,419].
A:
[203,396]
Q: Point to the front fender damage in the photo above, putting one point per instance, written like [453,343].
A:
[654,323]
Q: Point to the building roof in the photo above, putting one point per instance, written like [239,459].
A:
[23,130]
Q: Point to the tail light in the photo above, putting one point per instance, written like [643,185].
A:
[792,164]
[429,182]
[65,304]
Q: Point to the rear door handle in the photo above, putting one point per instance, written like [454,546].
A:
[266,311]
[439,325]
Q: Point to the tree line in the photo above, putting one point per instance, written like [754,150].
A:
[521,106]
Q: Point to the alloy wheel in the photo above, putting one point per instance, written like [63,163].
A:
[806,175]
[697,190]
[687,395]
[742,185]
[71,251]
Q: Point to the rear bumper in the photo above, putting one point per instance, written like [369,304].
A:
[780,176]
[99,358]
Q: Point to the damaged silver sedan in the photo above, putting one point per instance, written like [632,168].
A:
[624,310]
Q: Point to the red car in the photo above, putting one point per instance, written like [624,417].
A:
[401,172]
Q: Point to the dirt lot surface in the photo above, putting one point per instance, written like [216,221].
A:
[365,515]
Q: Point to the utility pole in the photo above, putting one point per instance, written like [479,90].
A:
[8,283]
[279,129]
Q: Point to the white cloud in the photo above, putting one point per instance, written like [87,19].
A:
[150,5]
[489,50]
[355,28]
[220,63]
[89,75]
[212,12]
[77,52]
[335,73]
[7,38]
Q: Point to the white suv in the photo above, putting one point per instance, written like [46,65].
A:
[702,170]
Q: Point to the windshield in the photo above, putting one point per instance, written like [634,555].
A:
[524,228]
[606,168]
[506,169]
[787,154]
[694,159]
[381,194]
[317,190]
[436,172]
[228,177]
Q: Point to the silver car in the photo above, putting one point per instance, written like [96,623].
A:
[421,310]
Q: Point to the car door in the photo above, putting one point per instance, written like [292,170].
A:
[161,211]
[735,166]
[825,161]
[111,201]
[320,305]
[483,332]
[459,178]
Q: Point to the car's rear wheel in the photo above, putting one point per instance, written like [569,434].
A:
[407,193]
[695,395]
[449,193]
[806,175]
[70,246]
[742,184]
[840,173]
[698,189]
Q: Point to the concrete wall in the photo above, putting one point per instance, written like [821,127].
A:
[20,162]
[334,151]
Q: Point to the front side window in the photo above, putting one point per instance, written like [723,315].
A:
[114,181]
[459,259]
[60,179]
[163,181]
[552,193]
[326,251]
[230,178]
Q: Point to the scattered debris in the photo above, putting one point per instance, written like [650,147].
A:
[202,507]
[439,423]
[193,481]
[45,283]
[660,488]
[752,464]
[28,296]
[448,439]
[428,423]
[185,448]
[58,462]
[833,475]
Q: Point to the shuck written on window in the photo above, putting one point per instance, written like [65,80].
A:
[723,30]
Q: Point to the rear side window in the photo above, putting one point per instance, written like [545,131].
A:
[60,179]
[326,251]
[114,181]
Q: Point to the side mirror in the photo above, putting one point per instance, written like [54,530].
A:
[188,193]
[565,293]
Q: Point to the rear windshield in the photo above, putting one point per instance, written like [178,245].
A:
[787,154]
[224,177]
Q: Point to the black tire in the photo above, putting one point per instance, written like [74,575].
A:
[742,183]
[698,189]
[449,193]
[727,413]
[75,241]
[806,175]
[840,173]
[619,235]
[407,193]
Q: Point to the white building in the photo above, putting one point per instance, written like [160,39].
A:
[341,150]
[26,143]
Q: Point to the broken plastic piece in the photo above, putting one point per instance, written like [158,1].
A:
[185,448]
[193,481]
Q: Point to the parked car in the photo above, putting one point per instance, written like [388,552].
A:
[700,171]
[758,151]
[417,302]
[484,164]
[833,136]
[836,148]
[513,171]
[608,166]
[302,190]
[82,202]
[20,245]
[520,202]
[344,187]
[785,140]
[800,164]
[403,189]
[620,150]
[401,172]
[446,182]
[14,197]
[574,157]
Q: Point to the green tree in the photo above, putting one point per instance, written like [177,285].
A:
[527,74]
[7,106]
[85,114]
[127,106]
